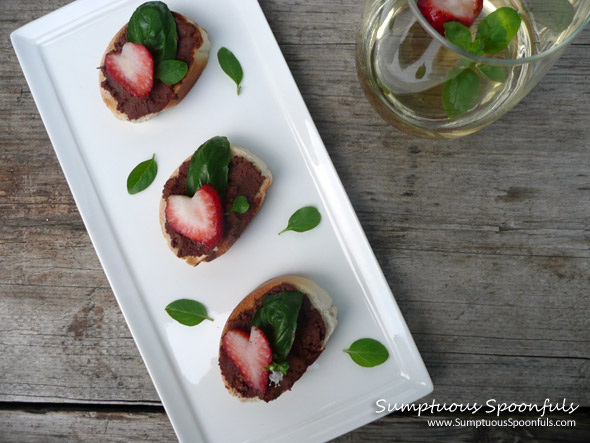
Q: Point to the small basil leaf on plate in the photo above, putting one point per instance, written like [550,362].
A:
[303,220]
[153,26]
[368,352]
[208,166]
[231,66]
[142,176]
[277,318]
[498,29]
[171,71]
[240,205]
[188,312]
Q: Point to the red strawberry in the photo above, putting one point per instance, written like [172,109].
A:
[438,12]
[133,68]
[250,354]
[199,218]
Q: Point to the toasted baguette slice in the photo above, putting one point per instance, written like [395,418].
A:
[227,241]
[201,47]
[320,301]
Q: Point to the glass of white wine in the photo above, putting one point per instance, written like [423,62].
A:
[436,87]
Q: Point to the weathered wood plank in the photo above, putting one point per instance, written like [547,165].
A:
[25,426]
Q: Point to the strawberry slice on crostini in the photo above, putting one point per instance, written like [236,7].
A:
[251,354]
[199,218]
[133,68]
[438,12]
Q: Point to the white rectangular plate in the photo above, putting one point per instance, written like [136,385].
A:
[59,54]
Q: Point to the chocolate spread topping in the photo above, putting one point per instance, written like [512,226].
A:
[242,179]
[189,37]
[307,347]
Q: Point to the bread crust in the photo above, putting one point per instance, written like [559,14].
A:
[180,89]
[224,246]
[317,296]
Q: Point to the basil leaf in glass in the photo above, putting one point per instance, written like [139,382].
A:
[557,15]
[368,352]
[188,312]
[498,29]
[493,73]
[231,66]
[240,205]
[153,26]
[142,176]
[171,71]
[209,165]
[277,318]
[303,220]
[460,93]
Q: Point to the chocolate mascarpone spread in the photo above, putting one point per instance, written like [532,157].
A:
[307,347]
[242,179]
[189,38]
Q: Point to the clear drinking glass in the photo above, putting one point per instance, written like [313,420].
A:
[403,63]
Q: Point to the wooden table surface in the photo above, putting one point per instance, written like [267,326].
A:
[484,240]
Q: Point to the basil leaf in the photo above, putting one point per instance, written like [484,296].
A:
[493,73]
[460,93]
[171,71]
[142,176]
[240,205]
[277,318]
[153,26]
[498,29]
[209,165]
[274,366]
[458,34]
[303,220]
[367,352]
[231,66]
[188,312]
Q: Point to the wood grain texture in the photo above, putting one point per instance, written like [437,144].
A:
[484,240]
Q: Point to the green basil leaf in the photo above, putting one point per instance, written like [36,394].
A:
[209,165]
[171,71]
[231,66]
[460,93]
[188,312]
[498,29]
[153,26]
[277,318]
[367,352]
[240,205]
[557,15]
[303,220]
[459,35]
[493,73]
[142,176]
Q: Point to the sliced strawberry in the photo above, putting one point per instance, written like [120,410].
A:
[251,354]
[438,12]
[133,68]
[199,218]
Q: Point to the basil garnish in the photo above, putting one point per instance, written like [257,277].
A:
[494,34]
[277,318]
[142,176]
[367,352]
[171,71]
[303,220]
[209,165]
[231,66]
[240,205]
[153,26]
[188,312]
